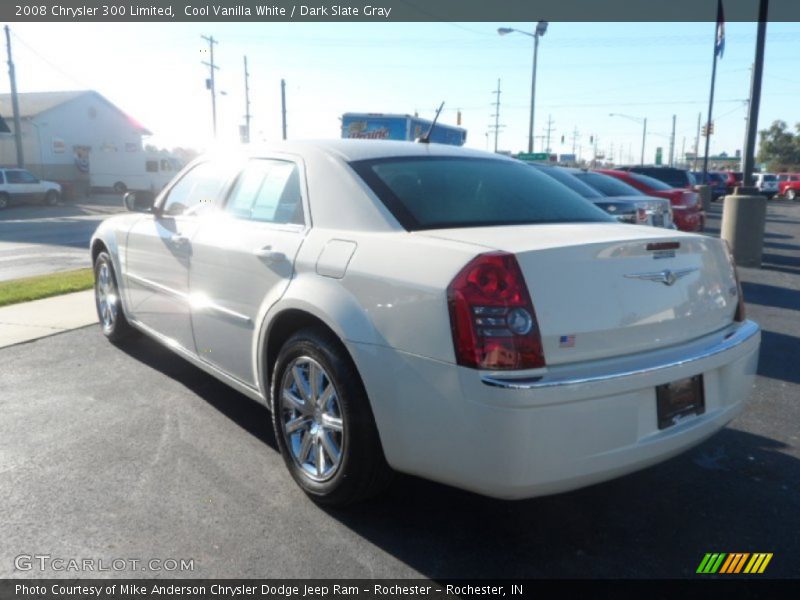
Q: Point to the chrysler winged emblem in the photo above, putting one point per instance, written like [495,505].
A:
[667,277]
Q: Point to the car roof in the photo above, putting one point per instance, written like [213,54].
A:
[354,150]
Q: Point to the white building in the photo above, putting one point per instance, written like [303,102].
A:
[60,131]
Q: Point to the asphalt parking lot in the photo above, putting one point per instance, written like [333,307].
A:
[36,239]
[133,453]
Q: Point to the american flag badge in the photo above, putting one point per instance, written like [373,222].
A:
[566,341]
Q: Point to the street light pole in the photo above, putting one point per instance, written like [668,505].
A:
[533,92]
[644,137]
[541,28]
[643,121]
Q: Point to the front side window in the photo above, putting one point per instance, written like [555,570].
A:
[197,191]
[268,191]
[425,192]
[17,176]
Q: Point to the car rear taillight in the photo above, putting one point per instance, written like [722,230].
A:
[739,314]
[491,315]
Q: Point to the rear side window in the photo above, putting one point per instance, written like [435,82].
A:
[443,192]
[571,181]
[650,182]
[608,185]
[267,190]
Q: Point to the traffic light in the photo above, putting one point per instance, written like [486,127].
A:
[711,128]
[704,131]
[562,139]
[458,118]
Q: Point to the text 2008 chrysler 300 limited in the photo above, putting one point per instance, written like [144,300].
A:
[433,310]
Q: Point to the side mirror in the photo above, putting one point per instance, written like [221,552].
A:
[141,201]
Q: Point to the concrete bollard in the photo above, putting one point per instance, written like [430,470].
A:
[704,191]
[743,218]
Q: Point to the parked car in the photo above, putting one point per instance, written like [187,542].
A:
[627,204]
[672,176]
[767,184]
[734,180]
[789,185]
[18,186]
[433,310]
[718,182]
[686,208]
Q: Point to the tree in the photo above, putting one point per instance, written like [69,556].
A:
[780,148]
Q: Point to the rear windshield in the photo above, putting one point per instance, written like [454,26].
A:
[570,180]
[650,182]
[770,178]
[674,177]
[443,192]
[607,185]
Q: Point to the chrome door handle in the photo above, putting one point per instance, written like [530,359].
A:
[177,238]
[270,255]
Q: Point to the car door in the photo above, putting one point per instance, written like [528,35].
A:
[243,261]
[159,252]
[22,186]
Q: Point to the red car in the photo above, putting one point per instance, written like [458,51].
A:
[789,185]
[687,211]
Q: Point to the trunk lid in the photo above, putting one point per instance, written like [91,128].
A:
[605,290]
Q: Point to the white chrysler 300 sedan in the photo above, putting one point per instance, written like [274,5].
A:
[428,309]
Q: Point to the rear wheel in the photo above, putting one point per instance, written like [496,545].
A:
[120,187]
[109,306]
[51,198]
[323,421]
[791,194]
[3,201]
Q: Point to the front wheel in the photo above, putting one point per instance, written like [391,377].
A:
[3,201]
[323,421]
[109,305]
[120,187]
[51,198]
[791,194]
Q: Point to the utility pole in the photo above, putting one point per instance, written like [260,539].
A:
[496,116]
[594,151]
[14,102]
[549,130]
[672,144]
[575,136]
[683,153]
[283,106]
[246,136]
[697,140]
[755,95]
[210,81]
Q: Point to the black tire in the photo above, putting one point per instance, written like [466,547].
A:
[362,471]
[51,198]
[110,313]
[120,187]
[4,201]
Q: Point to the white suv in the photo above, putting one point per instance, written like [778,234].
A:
[767,184]
[19,186]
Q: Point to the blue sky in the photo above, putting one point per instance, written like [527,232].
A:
[585,72]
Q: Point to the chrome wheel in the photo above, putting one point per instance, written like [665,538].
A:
[311,419]
[106,297]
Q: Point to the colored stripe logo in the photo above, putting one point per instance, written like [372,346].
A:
[734,563]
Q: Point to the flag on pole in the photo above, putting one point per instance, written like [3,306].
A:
[720,46]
